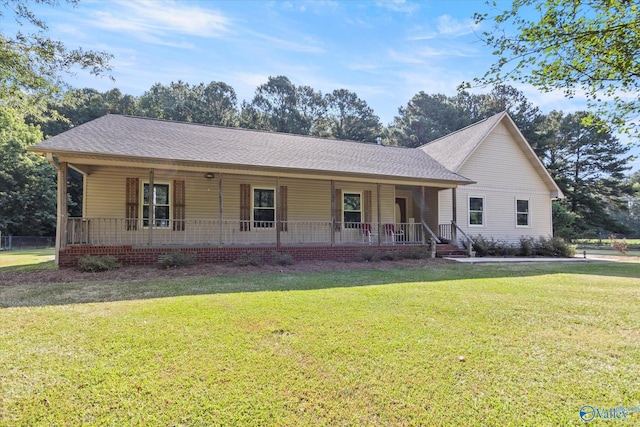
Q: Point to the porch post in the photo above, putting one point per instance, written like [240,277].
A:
[379,216]
[278,212]
[220,223]
[423,220]
[333,213]
[454,214]
[62,214]
[454,208]
[152,207]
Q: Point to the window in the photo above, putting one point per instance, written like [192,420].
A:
[476,211]
[160,198]
[264,208]
[352,210]
[522,213]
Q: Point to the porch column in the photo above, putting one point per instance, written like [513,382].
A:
[278,212]
[454,214]
[333,213]
[454,208]
[62,214]
[379,215]
[152,207]
[220,223]
[423,219]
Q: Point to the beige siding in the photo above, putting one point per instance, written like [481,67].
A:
[387,204]
[500,163]
[500,214]
[445,207]
[503,174]
[431,211]
[308,200]
[105,191]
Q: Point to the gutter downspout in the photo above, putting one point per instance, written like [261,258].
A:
[62,214]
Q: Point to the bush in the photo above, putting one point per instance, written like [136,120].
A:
[485,247]
[619,245]
[250,258]
[527,246]
[369,255]
[390,256]
[551,247]
[94,264]
[176,259]
[417,252]
[281,258]
[554,247]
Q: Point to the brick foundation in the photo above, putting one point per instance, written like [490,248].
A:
[129,255]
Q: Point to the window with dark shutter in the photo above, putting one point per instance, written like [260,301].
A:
[178,205]
[264,208]
[132,197]
[366,202]
[338,210]
[158,197]
[245,207]
[283,208]
[352,210]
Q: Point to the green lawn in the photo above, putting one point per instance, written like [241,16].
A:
[609,252]
[348,348]
[27,259]
[605,242]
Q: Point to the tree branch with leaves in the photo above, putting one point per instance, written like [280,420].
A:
[589,48]
[33,65]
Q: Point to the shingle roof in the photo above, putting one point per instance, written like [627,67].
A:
[454,149]
[126,136]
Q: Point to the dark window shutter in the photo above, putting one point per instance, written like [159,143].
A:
[178,205]
[132,197]
[245,207]
[338,209]
[366,205]
[284,226]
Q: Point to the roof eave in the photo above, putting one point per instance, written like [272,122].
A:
[98,159]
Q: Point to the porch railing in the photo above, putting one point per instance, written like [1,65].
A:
[453,233]
[215,232]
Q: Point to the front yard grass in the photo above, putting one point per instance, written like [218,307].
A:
[539,341]
[27,259]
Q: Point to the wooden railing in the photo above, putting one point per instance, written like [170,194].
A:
[451,233]
[215,232]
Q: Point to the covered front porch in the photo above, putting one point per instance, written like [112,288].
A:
[185,210]
[220,232]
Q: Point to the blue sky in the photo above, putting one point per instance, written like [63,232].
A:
[385,51]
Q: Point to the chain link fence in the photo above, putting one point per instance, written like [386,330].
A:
[8,243]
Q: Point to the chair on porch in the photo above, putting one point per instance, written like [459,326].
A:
[391,235]
[366,232]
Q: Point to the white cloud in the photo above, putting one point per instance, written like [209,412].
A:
[282,44]
[399,6]
[445,26]
[158,21]
[454,27]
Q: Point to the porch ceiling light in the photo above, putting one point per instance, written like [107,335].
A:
[209,175]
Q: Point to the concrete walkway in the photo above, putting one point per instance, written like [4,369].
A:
[486,260]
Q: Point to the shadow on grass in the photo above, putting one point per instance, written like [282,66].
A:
[44,264]
[163,287]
